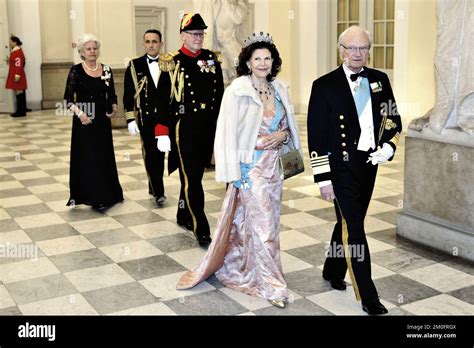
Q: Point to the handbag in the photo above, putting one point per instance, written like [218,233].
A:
[291,164]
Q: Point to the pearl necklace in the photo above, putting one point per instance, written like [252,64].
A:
[91,69]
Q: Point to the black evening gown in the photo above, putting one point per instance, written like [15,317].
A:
[93,177]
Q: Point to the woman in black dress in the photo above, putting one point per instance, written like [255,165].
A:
[90,95]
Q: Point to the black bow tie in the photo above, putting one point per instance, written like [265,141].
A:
[362,73]
[151,60]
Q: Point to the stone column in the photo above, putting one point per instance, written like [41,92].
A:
[439,191]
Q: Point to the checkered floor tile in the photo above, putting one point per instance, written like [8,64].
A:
[60,260]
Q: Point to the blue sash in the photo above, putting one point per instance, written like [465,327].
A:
[362,96]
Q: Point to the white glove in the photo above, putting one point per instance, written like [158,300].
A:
[133,128]
[381,155]
[327,192]
[163,143]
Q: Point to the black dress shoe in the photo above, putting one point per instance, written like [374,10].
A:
[160,200]
[374,307]
[18,114]
[336,283]
[100,208]
[204,240]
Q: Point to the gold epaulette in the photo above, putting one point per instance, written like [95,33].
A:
[217,54]
[166,61]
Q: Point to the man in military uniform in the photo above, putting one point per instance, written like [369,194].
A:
[146,97]
[197,89]
[353,126]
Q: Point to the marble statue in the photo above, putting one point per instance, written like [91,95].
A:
[227,27]
[454,71]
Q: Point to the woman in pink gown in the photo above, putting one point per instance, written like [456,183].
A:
[255,120]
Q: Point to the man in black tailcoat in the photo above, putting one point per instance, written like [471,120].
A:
[353,126]
[146,100]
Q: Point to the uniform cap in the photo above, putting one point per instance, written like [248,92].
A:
[192,21]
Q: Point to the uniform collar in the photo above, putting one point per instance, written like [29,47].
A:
[190,53]
[16,48]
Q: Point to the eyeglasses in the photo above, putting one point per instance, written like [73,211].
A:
[352,49]
[196,35]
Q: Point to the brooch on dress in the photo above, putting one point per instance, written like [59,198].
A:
[106,75]
[207,65]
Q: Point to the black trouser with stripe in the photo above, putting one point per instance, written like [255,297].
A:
[353,188]
[191,197]
[153,158]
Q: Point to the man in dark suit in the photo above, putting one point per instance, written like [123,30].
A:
[146,101]
[197,89]
[353,126]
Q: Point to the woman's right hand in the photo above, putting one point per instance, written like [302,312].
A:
[85,120]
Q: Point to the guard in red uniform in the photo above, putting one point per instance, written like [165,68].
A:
[16,76]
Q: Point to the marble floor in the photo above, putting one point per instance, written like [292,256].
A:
[60,260]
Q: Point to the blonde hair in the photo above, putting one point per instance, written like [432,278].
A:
[83,39]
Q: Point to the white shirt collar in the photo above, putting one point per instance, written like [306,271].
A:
[348,71]
[157,57]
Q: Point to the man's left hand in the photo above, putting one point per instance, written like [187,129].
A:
[382,155]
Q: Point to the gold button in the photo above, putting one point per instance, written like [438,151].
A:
[194,101]
[203,105]
[187,76]
[213,99]
[189,84]
[343,144]
[182,69]
[344,153]
[214,90]
[343,135]
[147,112]
[192,92]
[212,108]
[176,113]
[342,126]
[215,81]
[341,117]
[195,110]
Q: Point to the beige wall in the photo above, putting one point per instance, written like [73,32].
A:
[314,46]
[55,31]
[112,21]
[415,44]
[284,30]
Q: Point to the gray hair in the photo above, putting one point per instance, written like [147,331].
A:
[354,28]
[85,38]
